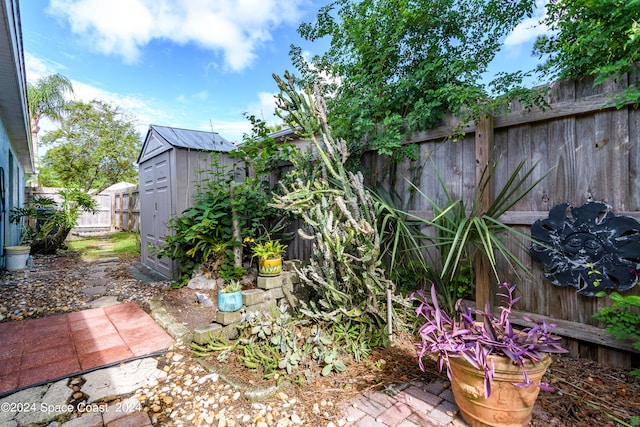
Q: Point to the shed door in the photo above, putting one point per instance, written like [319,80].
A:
[155,210]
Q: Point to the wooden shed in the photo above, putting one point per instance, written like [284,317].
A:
[172,162]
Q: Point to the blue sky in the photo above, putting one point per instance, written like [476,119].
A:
[195,64]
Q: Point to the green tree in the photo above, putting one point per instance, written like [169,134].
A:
[96,146]
[592,37]
[397,66]
[46,98]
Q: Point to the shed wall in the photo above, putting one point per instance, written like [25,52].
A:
[169,182]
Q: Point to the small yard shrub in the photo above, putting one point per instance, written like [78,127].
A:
[203,234]
[278,346]
[46,224]
[623,319]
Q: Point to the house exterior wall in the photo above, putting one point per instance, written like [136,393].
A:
[12,189]
[16,151]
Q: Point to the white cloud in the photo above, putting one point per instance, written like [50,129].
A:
[529,29]
[234,29]
[525,32]
[231,130]
[188,99]
[265,107]
[131,104]
[37,68]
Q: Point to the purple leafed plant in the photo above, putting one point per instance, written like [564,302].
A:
[461,335]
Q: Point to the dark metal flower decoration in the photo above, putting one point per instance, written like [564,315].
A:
[592,249]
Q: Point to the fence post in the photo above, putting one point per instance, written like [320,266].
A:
[484,155]
[113,211]
[130,211]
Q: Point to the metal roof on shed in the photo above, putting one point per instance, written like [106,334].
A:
[194,139]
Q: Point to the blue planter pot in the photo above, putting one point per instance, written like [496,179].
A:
[230,302]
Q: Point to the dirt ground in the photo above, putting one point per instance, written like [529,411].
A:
[586,393]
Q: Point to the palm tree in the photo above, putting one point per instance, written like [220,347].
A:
[46,99]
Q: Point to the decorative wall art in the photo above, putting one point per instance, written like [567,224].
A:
[590,249]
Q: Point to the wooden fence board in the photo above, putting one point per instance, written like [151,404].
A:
[591,151]
[634,160]
[125,210]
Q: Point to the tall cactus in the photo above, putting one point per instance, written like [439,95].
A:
[344,270]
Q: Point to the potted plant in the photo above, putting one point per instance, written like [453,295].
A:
[494,369]
[230,297]
[269,254]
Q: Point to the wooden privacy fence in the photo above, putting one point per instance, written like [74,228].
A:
[88,222]
[591,153]
[125,210]
[117,210]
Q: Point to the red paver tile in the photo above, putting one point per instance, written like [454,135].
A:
[94,331]
[423,420]
[136,335]
[39,342]
[104,357]
[8,339]
[49,321]
[34,351]
[85,315]
[371,407]
[421,395]
[9,382]
[10,365]
[43,357]
[382,398]
[137,419]
[10,348]
[102,343]
[50,371]
[86,420]
[11,326]
[127,309]
[133,323]
[11,332]
[148,346]
[395,414]
[97,318]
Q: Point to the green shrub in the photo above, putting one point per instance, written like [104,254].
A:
[203,234]
[623,319]
[279,346]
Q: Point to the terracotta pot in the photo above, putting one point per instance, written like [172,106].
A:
[229,301]
[508,405]
[270,267]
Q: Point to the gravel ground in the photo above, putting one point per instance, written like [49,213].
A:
[190,395]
